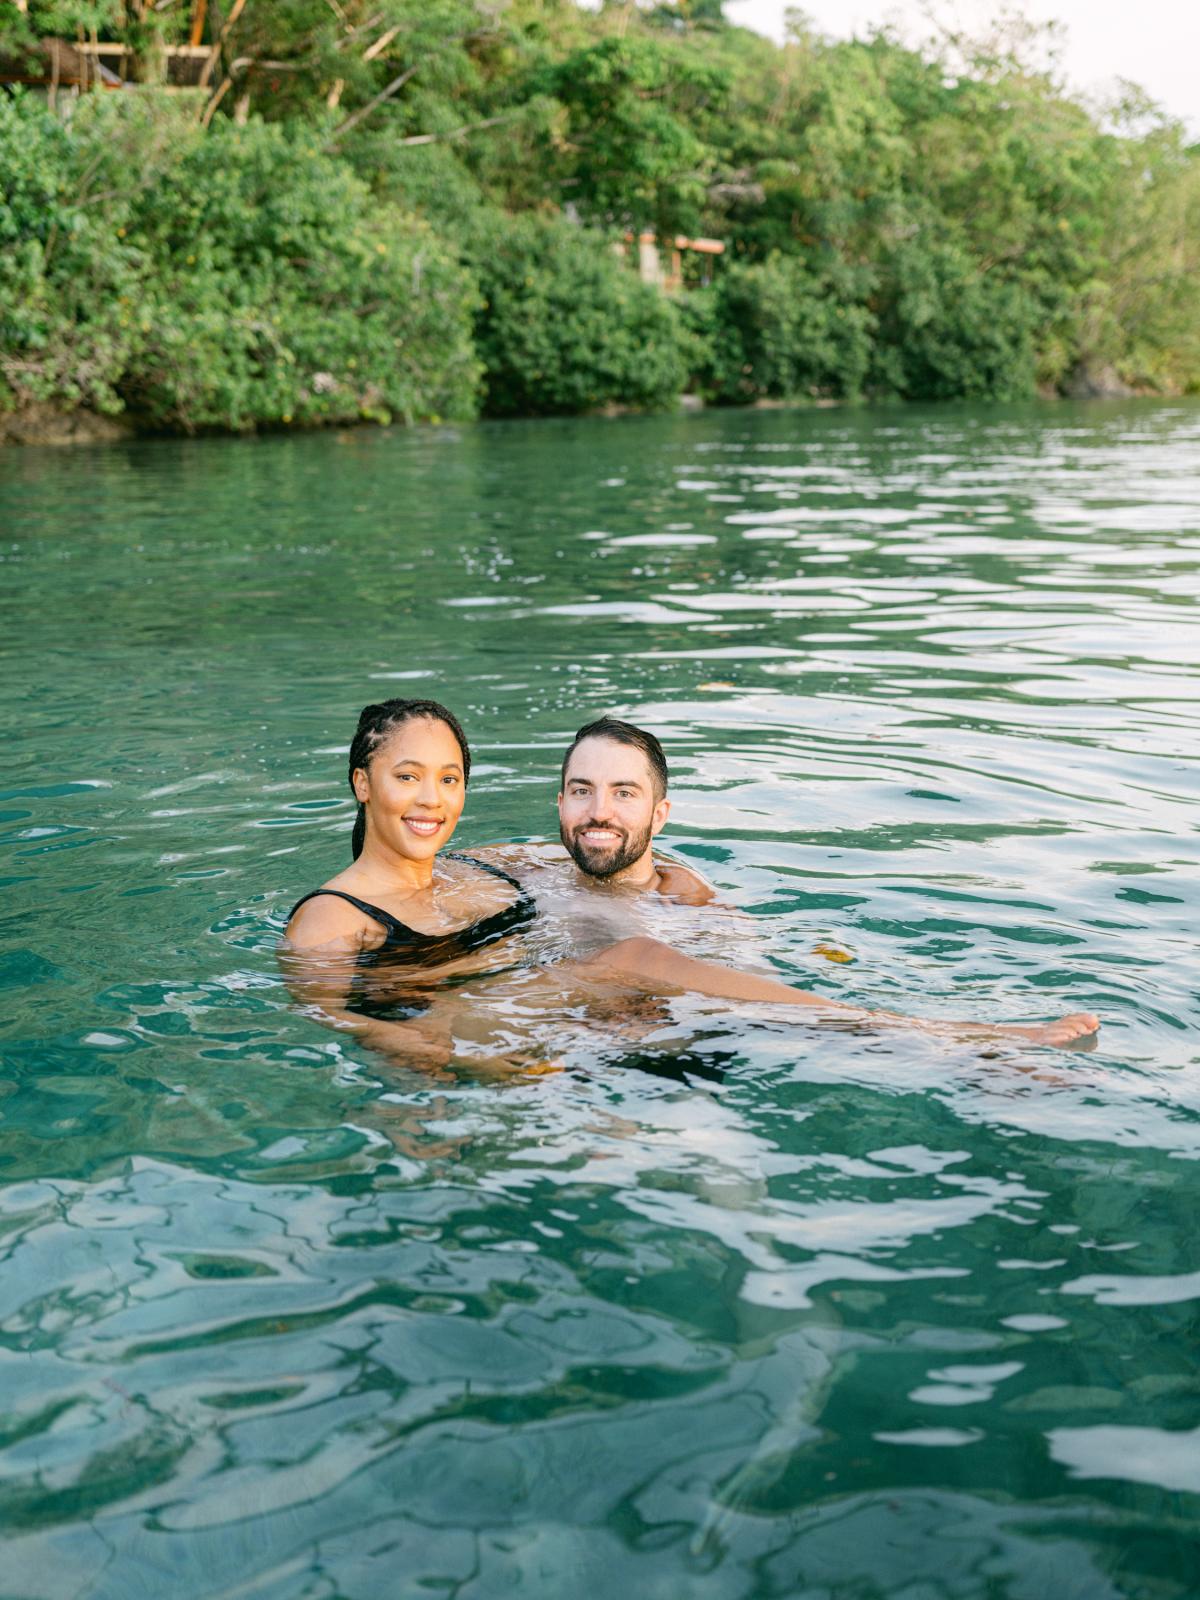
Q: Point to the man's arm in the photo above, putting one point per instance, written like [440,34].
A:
[658,968]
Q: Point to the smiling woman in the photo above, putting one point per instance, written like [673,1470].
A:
[396,908]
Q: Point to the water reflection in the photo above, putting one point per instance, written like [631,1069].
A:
[819,1311]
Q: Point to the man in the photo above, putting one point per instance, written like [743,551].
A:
[613,804]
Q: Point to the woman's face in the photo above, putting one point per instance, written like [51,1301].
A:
[414,789]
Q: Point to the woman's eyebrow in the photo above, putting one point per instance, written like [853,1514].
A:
[411,761]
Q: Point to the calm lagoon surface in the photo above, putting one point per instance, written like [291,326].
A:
[762,1311]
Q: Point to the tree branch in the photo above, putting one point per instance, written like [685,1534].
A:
[467,127]
[365,111]
[235,12]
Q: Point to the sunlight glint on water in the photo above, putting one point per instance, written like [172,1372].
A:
[819,1314]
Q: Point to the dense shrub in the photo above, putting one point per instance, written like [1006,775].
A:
[228,280]
[68,270]
[925,223]
[779,329]
[949,330]
[281,294]
[566,326]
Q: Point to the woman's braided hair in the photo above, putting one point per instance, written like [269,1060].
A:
[377,723]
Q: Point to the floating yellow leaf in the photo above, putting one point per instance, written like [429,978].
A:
[833,952]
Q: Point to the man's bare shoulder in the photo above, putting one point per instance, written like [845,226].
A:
[683,884]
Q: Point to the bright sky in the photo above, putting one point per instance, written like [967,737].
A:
[1154,43]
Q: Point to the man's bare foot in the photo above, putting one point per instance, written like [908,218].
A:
[1066,1030]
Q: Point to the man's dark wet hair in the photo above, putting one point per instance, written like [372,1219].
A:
[624,733]
[377,723]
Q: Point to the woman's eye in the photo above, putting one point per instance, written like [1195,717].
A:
[450,778]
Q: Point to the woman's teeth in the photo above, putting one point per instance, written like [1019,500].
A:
[422,825]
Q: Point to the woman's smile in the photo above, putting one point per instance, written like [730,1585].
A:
[426,827]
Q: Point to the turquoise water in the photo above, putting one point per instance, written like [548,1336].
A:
[824,1314]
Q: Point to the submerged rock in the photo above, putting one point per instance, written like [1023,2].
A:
[45,425]
[1096,383]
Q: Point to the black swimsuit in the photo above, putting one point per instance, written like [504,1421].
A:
[407,947]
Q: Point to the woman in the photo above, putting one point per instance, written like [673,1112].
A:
[409,767]
[368,945]
[374,947]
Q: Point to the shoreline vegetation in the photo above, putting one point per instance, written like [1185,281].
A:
[218,218]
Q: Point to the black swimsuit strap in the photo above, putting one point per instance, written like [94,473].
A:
[396,929]
[400,932]
[485,866]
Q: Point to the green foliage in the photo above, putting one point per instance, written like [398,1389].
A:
[627,156]
[299,240]
[69,270]
[280,294]
[242,278]
[565,326]
[947,330]
[779,329]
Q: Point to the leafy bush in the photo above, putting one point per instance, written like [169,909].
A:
[565,326]
[281,294]
[68,270]
[779,329]
[949,330]
[224,280]
[930,224]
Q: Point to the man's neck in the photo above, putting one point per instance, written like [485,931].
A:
[639,877]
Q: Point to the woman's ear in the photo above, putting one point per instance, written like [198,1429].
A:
[362,787]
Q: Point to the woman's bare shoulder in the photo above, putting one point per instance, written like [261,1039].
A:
[327,919]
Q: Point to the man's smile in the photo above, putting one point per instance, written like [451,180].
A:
[598,838]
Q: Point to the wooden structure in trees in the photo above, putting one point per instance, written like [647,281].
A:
[101,63]
[667,274]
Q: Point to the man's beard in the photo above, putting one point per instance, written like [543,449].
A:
[606,862]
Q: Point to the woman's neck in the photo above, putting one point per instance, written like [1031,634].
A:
[393,871]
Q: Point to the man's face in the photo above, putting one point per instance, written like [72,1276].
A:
[607,811]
